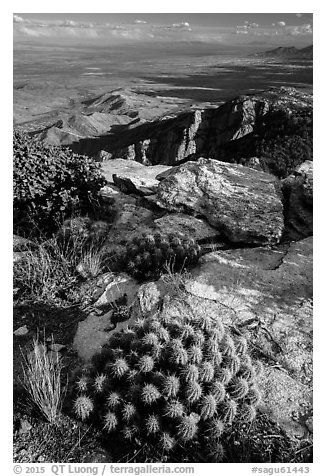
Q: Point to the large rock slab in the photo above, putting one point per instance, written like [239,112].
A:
[133,177]
[91,335]
[242,203]
[298,194]
[116,302]
[267,293]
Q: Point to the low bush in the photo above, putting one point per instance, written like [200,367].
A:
[50,184]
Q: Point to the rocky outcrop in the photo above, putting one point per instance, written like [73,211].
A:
[298,208]
[201,132]
[242,203]
[273,286]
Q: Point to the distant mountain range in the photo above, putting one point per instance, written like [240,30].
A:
[288,52]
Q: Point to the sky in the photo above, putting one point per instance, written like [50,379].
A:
[117,28]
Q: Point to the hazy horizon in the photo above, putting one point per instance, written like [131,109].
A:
[113,29]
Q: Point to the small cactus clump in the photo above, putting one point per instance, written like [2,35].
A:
[149,255]
[175,381]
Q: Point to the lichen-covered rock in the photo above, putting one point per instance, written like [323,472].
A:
[242,203]
[187,225]
[298,209]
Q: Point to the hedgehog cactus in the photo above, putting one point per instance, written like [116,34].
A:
[83,407]
[174,381]
[148,255]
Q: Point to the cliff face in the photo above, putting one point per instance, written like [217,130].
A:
[200,132]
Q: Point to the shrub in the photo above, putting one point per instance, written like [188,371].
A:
[170,381]
[50,184]
[150,255]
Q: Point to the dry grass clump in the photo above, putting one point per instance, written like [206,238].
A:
[50,271]
[42,375]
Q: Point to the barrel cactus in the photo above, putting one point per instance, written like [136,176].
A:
[147,255]
[187,384]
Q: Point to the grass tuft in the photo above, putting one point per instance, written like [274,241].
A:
[49,272]
[42,381]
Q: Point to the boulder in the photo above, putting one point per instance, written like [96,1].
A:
[253,163]
[298,208]
[242,203]
[110,192]
[286,401]
[21,331]
[119,286]
[132,177]
[188,226]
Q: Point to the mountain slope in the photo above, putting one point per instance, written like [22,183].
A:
[97,116]
[259,125]
[288,52]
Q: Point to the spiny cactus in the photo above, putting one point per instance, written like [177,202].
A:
[110,421]
[166,442]
[113,400]
[172,381]
[99,382]
[208,406]
[148,255]
[174,409]
[218,454]
[216,428]
[83,407]
[188,427]
[82,383]
[152,424]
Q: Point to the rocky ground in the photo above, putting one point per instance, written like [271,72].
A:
[255,273]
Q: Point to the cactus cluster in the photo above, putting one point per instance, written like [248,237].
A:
[171,381]
[148,255]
